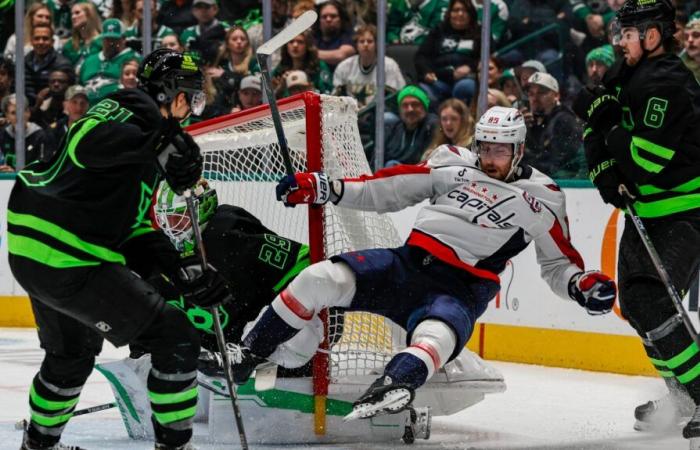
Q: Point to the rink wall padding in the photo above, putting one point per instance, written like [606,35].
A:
[526,322]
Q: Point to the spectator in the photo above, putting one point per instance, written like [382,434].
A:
[297,82]
[598,61]
[691,45]
[207,24]
[527,68]
[61,17]
[301,6]
[85,37]
[123,10]
[237,11]
[496,97]
[301,54]
[280,19]
[134,38]
[176,14]
[406,140]
[127,79]
[75,105]
[49,102]
[494,73]
[100,73]
[360,12]
[249,94]
[172,42]
[356,76]
[446,61]
[510,86]
[333,34]
[554,135]
[234,61]
[594,20]
[42,60]
[410,21]
[7,77]
[499,19]
[34,136]
[456,126]
[37,14]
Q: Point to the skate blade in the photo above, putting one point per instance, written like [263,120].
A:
[393,402]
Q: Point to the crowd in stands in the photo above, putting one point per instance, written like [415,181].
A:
[542,52]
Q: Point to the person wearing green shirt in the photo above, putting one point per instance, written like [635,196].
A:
[410,21]
[134,33]
[100,72]
[205,12]
[61,12]
[85,38]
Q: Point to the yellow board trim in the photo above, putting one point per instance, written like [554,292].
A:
[562,348]
[16,312]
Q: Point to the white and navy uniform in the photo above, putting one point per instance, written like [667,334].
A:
[448,269]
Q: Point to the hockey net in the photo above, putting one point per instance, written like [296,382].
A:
[242,161]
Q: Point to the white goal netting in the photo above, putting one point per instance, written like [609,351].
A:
[243,162]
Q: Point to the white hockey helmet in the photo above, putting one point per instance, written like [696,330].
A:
[172,217]
[502,125]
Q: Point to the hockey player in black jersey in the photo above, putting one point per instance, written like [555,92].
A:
[256,263]
[78,228]
[643,131]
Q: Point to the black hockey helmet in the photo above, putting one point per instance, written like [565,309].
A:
[642,14]
[164,73]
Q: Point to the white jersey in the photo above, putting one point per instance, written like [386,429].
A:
[475,222]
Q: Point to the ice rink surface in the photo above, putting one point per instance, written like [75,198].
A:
[543,408]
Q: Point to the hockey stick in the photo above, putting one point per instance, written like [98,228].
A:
[301,24]
[218,331]
[21,424]
[656,260]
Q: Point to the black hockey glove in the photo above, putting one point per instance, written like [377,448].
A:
[600,110]
[593,290]
[602,170]
[184,165]
[202,288]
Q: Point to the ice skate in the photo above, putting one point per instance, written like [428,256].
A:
[243,362]
[692,428]
[186,446]
[383,397]
[30,444]
[667,413]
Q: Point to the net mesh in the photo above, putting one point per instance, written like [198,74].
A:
[242,161]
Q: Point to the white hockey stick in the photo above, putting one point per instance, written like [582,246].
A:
[293,30]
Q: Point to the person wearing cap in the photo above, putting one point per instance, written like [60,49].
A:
[691,45]
[249,93]
[553,132]
[643,132]
[526,70]
[100,72]
[406,140]
[75,105]
[207,24]
[598,61]
[510,86]
[297,82]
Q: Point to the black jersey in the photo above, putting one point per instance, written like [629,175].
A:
[658,145]
[82,207]
[256,263]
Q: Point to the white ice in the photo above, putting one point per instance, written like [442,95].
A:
[543,408]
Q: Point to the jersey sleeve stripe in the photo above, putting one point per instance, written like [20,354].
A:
[446,254]
[564,244]
[401,169]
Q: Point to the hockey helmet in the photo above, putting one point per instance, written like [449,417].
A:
[165,72]
[500,124]
[172,217]
[642,14]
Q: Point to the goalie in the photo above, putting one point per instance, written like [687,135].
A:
[485,208]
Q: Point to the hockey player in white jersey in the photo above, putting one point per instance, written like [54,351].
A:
[485,208]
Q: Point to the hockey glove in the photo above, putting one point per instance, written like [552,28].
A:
[593,290]
[184,165]
[309,188]
[602,169]
[600,110]
[202,288]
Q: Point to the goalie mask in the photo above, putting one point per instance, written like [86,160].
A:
[502,125]
[172,217]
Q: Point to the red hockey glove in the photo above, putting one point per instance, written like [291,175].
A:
[593,290]
[308,188]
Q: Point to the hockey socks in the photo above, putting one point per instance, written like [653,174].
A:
[51,407]
[173,399]
[270,331]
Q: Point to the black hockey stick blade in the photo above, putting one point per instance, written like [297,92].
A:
[294,29]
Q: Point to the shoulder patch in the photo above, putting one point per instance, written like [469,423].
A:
[535,205]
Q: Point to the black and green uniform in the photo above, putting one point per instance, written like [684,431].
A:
[256,263]
[77,225]
[657,150]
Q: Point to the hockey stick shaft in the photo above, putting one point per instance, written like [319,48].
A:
[21,424]
[218,331]
[301,24]
[656,260]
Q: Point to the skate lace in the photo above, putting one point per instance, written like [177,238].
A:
[696,414]
[235,353]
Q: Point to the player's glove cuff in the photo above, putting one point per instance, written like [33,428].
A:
[593,290]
